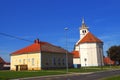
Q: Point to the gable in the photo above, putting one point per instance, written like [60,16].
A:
[89,38]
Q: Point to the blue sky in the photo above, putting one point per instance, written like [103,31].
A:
[46,20]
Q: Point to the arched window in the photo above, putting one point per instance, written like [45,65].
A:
[83,31]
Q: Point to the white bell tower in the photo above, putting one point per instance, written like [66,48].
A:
[83,29]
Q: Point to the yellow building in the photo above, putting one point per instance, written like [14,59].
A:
[40,55]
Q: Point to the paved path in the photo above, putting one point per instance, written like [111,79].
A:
[77,76]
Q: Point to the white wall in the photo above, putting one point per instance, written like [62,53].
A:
[91,52]
[76,60]
[26,59]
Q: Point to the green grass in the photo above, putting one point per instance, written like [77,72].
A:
[117,77]
[5,75]
[84,70]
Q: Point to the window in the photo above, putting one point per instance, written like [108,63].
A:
[53,61]
[83,31]
[63,61]
[19,60]
[23,61]
[47,61]
[28,60]
[32,61]
[59,61]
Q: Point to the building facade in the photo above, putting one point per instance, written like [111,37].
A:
[90,48]
[40,55]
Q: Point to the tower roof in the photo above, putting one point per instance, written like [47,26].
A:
[90,38]
[84,26]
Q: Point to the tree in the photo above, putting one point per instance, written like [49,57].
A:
[114,53]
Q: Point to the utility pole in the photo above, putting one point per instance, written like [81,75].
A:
[66,29]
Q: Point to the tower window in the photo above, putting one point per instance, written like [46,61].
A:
[83,31]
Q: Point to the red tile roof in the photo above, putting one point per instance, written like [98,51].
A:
[32,48]
[107,60]
[1,60]
[76,54]
[89,38]
[40,47]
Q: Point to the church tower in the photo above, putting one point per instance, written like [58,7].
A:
[83,29]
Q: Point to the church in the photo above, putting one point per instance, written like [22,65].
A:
[89,49]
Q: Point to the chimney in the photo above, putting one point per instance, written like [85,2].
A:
[37,41]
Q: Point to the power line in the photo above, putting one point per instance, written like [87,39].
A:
[11,36]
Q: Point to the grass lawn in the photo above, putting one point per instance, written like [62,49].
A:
[5,75]
[117,77]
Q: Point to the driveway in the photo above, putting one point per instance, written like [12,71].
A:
[77,76]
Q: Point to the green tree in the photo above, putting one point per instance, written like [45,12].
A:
[114,53]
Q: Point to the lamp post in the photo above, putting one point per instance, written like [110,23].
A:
[109,56]
[66,49]
[109,59]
